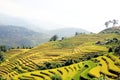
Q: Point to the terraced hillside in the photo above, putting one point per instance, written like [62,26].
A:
[29,64]
[86,70]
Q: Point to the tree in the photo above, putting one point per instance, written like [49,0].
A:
[1,57]
[114,22]
[23,47]
[117,50]
[18,47]
[62,38]
[54,38]
[76,33]
[106,24]
[3,48]
[110,50]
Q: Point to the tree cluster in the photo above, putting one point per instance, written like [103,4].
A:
[3,48]
[53,38]
[1,56]
[117,50]
[24,47]
[77,33]
[114,22]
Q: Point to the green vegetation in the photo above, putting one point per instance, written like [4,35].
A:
[3,48]
[117,50]
[75,58]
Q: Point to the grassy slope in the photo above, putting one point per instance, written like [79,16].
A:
[54,51]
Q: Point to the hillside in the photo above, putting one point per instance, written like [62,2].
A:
[67,32]
[20,36]
[115,29]
[86,70]
[80,49]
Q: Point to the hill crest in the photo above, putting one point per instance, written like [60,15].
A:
[115,29]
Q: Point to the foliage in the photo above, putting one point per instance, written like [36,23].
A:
[53,38]
[117,50]
[3,48]
[76,33]
[68,62]
[110,50]
[1,57]
[114,22]
[52,65]
[62,38]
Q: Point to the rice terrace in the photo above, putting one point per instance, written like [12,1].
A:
[82,57]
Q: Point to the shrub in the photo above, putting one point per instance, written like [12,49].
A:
[68,62]
[51,65]
[117,50]
[110,50]
[115,40]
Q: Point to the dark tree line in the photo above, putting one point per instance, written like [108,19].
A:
[24,47]
[2,50]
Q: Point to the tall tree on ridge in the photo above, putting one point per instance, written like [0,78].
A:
[106,24]
[114,22]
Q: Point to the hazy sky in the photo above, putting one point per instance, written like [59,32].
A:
[86,14]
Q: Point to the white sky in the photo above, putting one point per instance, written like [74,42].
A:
[86,14]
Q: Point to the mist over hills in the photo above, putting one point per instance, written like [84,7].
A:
[11,20]
[67,32]
[16,31]
[20,36]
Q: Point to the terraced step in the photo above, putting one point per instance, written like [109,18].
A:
[104,68]
[112,67]
[88,66]
[25,68]
[95,72]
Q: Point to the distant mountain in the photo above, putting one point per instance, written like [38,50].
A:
[115,29]
[67,32]
[20,36]
[16,21]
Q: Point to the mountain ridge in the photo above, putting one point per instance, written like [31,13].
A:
[67,32]
[19,36]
